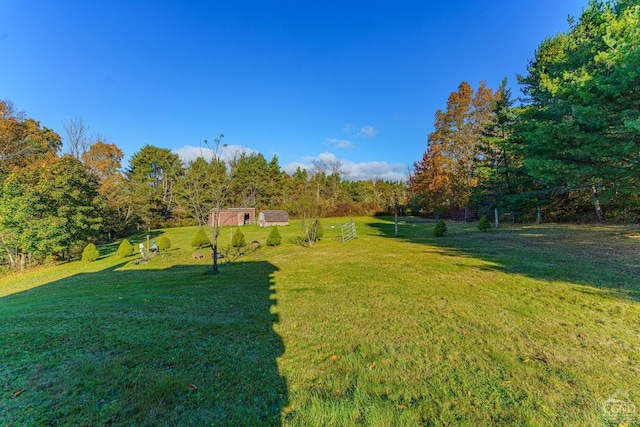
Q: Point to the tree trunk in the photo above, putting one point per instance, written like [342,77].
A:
[595,191]
[215,258]
[495,213]
[539,218]
[23,261]
[395,234]
[12,261]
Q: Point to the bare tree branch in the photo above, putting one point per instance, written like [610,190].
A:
[78,140]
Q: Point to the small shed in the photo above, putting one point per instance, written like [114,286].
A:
[233,216]
[269,218]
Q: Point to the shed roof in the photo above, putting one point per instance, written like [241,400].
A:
[235,209]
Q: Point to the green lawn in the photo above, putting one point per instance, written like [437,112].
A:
[529,325]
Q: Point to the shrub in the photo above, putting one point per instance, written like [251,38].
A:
[237,241]
[125,249]
[164,243]
[274,238]
[200,239]
[90,253]
[318,229]
[484,224]
[440,229]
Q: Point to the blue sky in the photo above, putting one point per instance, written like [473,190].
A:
[359,81]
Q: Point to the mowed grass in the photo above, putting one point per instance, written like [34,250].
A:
[528,325]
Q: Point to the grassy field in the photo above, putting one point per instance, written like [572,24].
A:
[528,325]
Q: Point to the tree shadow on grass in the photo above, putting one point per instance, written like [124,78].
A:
[169,347]
[603,259]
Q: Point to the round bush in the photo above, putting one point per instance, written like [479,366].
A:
[125,249]
[90,253]
[200,239]
[484,224]
[440,229]
[237,241]
[274,238]
[164,243]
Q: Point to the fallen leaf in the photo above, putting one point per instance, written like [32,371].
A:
[527,360]
[582,336]
[372,364]
[18,393]
[403,407]
[334,357]
[192,387]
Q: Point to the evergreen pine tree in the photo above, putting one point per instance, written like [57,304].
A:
[125,249]
[274,238]
[200,239]
[164,243]
[90,253]
[440,229]
[484,224]
[237,241]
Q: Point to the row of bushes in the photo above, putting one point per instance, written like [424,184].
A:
[91,252]
[441,228]
[200,239]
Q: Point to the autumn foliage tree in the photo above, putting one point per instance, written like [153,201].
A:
[119,207]
[431,179]
[47,202]
[446,174]
[23,141]
[103,159]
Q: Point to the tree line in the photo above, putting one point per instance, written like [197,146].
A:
[570,147]
[55,198]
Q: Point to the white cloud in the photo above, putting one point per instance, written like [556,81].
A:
[350,170]
[367,132]
[348,128]
[189,153]
[354,171]
[340,143]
